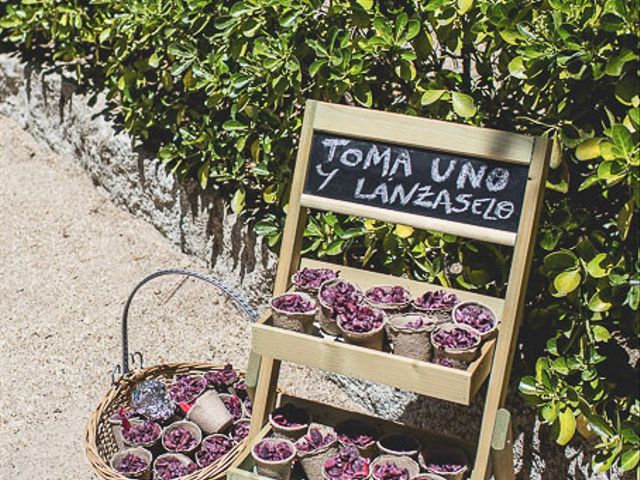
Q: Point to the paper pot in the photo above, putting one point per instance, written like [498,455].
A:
[484,335]
[191,427]
[117,459]
[149,444]
[184,460]
[409,341]
[350,428]
[390,308]
[400,461]
[444,454]
[301,322]
[210,413]
[372,339]
[326,314]
[299,416]
[276,469]
[398,444]
[464,355]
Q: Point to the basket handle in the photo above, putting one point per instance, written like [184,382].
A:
[239,301]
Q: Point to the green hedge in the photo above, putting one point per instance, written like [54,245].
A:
[216,90]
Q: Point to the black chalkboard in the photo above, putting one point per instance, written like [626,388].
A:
[422,182]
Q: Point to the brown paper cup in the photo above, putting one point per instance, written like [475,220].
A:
[190,427]
[398,444]
[373,339]
[464,355]
[117,459]
[183,459]
[301,322]
[411,342]
[210,413]
[483,335]
[278,470]
[403,462]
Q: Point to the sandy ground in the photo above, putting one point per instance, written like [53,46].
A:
[68,260]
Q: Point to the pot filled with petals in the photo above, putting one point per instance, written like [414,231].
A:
[450,462]
[456,341]
[478,316]
[273,457]
[410,335]
[186,388]
[391,467]
[133,463]
[234,406]
[347,464]
[181,437]
[428,476]
[294,311]
[139,433]
[364,326]
[222,380]
[438,303]
[309,279]
[116,420]
[315,448]
[173,465]
[210,413]
[289,421]
[390,298]
[240,430]
[213,448]
[352,433]
[336,297]
[398,444]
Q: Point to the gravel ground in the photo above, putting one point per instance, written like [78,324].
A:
[69,258]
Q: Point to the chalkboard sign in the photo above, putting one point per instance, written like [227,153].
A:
[428,183]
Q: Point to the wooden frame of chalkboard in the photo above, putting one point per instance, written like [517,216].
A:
[522,157]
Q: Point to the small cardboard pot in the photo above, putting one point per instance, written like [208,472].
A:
[352,427]
[301,322]
[302,417]
[388,307]
[411,342]
[149,444]
[326,314]
[399,445]
[408,463]
[191,427]
[116,428]
[442,314]
[182,458]
[313,292]
[427,476]
[200,461]
[210,413]
[373,339]
[225,397]
[445,454]
[143,453]
[464,355]
[486,335]
[312,462]
[276,469]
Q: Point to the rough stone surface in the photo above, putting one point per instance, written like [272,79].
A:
[48,108]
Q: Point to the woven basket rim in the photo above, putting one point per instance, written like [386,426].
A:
[102,467]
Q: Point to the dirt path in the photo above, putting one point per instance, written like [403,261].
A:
[68,259]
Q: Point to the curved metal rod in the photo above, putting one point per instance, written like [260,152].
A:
[240,302]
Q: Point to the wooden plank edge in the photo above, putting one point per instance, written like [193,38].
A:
[465,230]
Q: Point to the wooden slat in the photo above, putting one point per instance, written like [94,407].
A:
[427,223]
[366,279]
[422,133]
[413,375]
[502,447]
[514,304]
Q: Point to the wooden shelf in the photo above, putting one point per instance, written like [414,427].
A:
[331,415]
[459,386]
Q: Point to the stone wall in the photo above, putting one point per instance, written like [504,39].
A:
[47,105]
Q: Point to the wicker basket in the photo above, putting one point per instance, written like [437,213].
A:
[99,440]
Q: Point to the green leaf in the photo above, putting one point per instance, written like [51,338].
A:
[237,201]
[600,333]
[595,268]
[528,386]
[616,63]
[561,260]
[334,248]
[567,426]
[629,459]
[464,6]
[623,139]
[567,282]
[431,96]
[366,4]
[463,104]
[623,220]
[517,68]
[264,228]
[231,125]
[599,304]
[588,149]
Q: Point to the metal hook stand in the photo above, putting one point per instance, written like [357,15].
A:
[123,369]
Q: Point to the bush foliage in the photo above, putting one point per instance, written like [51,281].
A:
[216,89]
